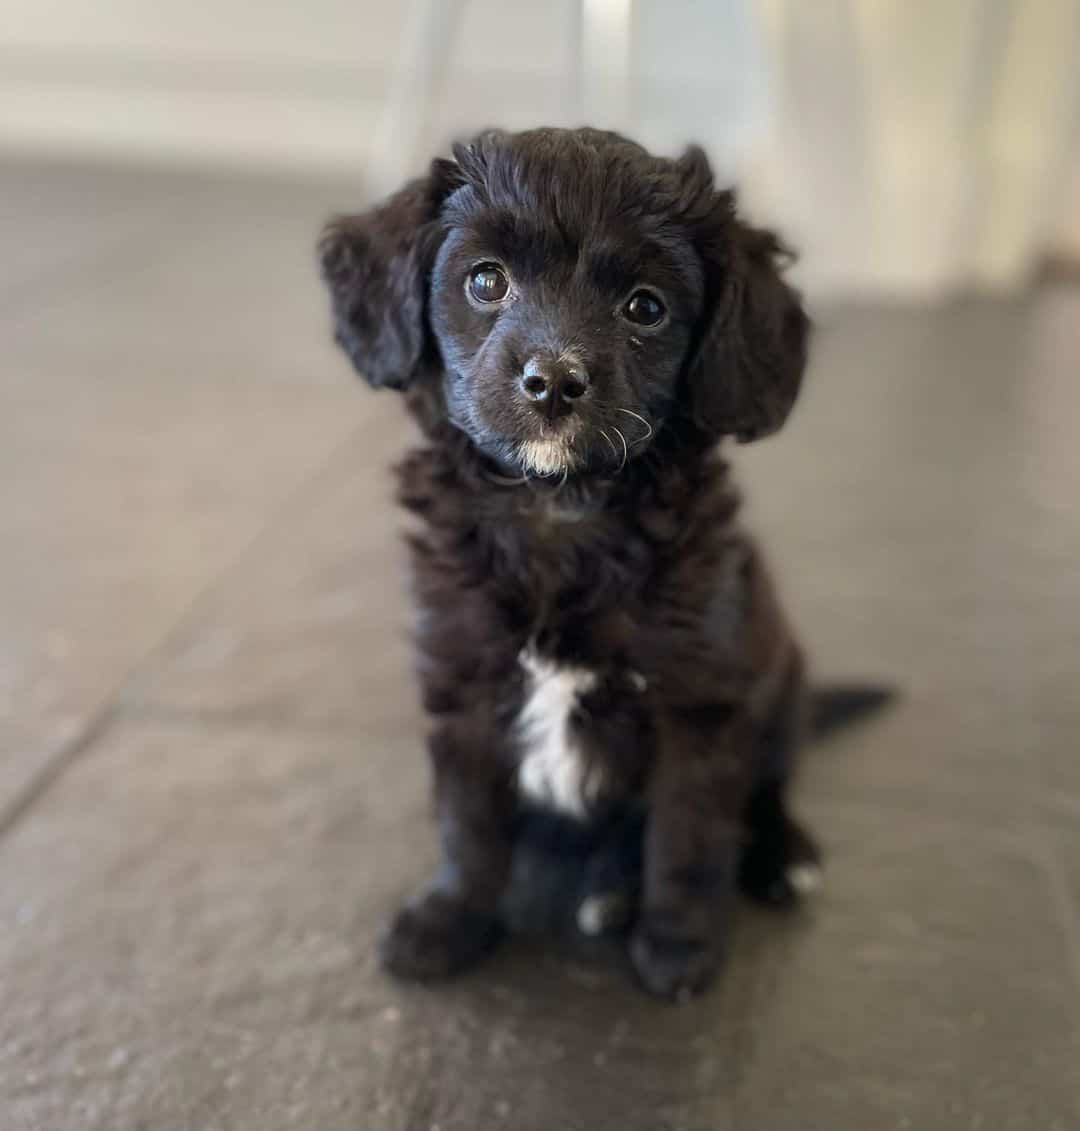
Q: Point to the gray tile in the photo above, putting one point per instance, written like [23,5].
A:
[186,932]
[222,284]
[58,221]
[917,516]
[120,500]
[928,755]
[187,912]
[893,500]
[292,634]
[142,445]
[167,902]
[931,988]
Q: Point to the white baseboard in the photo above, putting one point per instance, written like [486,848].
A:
[202,113]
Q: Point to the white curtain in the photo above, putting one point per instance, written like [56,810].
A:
[918,146]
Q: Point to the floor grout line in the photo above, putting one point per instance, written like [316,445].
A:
[1065,904]
[112,709]
[1015,838]
[40,783]
[251,722]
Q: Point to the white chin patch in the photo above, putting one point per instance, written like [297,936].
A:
[552,771]
[546,457]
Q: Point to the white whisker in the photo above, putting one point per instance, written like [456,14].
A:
[625,449]
[611,442]
[640,439]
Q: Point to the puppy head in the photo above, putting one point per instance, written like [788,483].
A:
[574,295]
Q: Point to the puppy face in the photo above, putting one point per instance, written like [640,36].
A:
[573,296]
[563,306]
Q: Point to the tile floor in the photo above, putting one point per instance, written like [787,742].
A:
[211,785]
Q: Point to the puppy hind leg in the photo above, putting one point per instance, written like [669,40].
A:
[780,861]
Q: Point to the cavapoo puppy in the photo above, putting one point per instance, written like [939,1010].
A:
[576,325]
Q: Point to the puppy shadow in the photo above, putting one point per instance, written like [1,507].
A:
[553,1021]
[551,949]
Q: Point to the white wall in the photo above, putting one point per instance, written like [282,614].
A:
[318,83]
[234,80]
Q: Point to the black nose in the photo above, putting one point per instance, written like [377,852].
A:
[553,384]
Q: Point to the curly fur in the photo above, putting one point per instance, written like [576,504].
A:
[600,553]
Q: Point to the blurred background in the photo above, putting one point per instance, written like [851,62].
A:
[923,145]
[212,787]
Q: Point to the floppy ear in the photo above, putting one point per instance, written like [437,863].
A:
[752,349]
[375,265]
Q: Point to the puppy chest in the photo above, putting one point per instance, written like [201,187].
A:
[553,769]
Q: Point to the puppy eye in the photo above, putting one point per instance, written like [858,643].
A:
[488,282]
[644,309]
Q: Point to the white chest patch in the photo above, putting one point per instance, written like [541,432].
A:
[552,770]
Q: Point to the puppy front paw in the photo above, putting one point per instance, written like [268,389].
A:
[436,936]
[670,966]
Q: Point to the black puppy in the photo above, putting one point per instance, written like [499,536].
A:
[576,324]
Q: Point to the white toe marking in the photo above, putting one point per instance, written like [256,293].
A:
[597,913]
[805,878]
